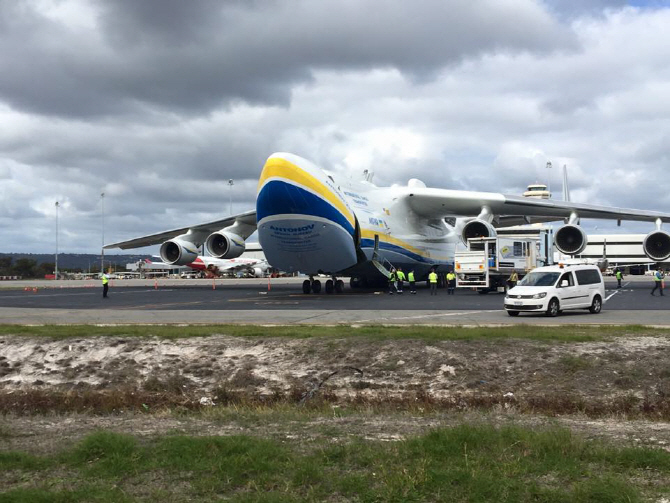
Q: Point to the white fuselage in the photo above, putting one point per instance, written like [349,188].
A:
[311,222]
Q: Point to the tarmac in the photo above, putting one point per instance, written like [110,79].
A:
[281,302]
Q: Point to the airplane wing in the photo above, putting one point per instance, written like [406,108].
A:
[441,203]
[246,222]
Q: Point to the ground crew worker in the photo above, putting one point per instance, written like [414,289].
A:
[412,283]
[619,277]
[451,283]
[513,278]
[658,281]
[392,280]
[401,279]
[432,279]
[105,285]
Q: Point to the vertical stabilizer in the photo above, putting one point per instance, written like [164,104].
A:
[566,189]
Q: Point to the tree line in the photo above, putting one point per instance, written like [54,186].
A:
[29,268]
[25,267]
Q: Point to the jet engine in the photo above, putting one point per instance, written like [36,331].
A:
[570,239]
[656,245]
[256,272]
[178,252]
[223,244]
[477,228]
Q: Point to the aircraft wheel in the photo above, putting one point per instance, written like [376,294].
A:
[513,313]
[306,286]
[329,286]
[316,286]
[339,286]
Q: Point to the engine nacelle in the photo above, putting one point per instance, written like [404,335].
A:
[477,229]
[178,252]
[570,239]
[257,272]
[223,244]
[656,245]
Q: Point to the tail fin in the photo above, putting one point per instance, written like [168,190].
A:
[566,189]
[603,263]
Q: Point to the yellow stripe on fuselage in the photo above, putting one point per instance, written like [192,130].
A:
[276,167]
[369,234]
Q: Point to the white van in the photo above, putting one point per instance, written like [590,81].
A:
[555,288]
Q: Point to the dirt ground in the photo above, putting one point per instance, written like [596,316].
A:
[53,392]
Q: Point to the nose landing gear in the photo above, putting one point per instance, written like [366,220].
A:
[312,285]
[334,285]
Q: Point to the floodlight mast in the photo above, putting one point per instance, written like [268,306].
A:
[56,266]
[230,184]
[102,255]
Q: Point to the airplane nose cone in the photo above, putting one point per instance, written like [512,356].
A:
[304,224]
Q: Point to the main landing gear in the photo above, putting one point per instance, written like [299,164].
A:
[312,285]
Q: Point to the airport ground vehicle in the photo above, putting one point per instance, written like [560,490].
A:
[488,262]
[556,288]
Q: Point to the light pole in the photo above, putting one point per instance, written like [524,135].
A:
[230,184]
[56,271]
[549,178]
[102,255]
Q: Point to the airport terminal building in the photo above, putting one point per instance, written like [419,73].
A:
[621,249]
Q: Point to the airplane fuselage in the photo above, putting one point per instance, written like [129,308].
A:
[309,221]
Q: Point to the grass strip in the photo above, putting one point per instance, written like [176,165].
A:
[574,333]
[468,463]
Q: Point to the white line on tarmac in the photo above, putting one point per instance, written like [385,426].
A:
[612,295]
[458,313]
[115,292]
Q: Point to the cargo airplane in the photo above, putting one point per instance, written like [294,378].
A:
[312,221]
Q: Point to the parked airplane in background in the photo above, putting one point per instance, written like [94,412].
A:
[310,221]
[212,266]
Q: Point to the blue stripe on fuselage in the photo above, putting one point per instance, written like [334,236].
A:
[369,243]
[281,198]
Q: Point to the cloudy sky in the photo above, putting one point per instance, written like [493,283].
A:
[158,103]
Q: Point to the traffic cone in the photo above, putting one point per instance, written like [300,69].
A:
[213,284]
[155,284]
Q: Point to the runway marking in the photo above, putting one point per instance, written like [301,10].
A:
[433,315]
[112,292]
[612,295]
[144,306]
[300,295]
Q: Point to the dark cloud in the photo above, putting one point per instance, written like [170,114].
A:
[159,103]
[575,8]
[196,56]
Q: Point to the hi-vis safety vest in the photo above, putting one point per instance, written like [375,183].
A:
[658,276]
[401,276]
[619,275]
[432,277]
[105,279]
[392,276]
[410,276]
[451,276]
